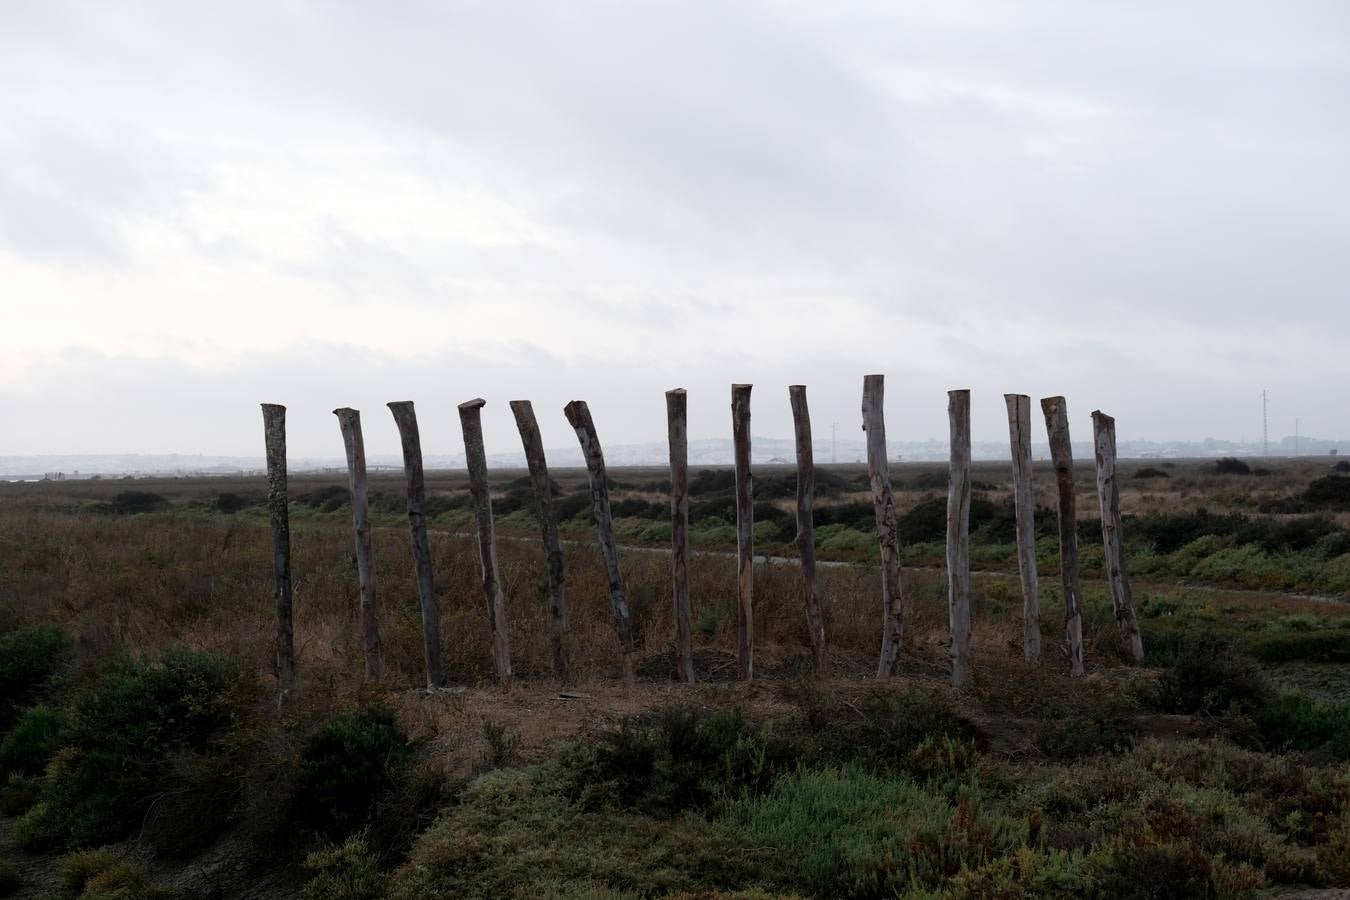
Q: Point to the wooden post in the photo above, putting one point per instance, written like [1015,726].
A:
[548,528]
[274,434]
[958,535]
[406,419]
[350,422]
[745,531]
[806,531]
[678,434]
[1108,494]
[470,420]
[579,416]
[1019,435]
[1061,454]
[883,506]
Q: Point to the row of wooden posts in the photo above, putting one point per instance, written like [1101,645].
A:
[579,416]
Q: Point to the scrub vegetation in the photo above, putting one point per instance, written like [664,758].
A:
[142,753]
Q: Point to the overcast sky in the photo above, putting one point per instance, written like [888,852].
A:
[1143,206]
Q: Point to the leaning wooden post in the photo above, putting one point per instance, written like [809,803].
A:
[406,419]
[677,431]
[1061,455]
[1019,436]
[1108,495]
[806,533]
[579,416]
[470,420]
[745,531]
[958,535]
[350,422]
[274,434]
[883,507]
[548,528]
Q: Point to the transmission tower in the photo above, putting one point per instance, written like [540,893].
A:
[1265,423]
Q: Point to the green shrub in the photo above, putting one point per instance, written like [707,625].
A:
[850,833]
[1293,721]
[1150,472]
[29,658]
[18,795]
[891,727]
[1209,675]
[1231,465]
[122,733]
[103,875]
[32,741]
[129,503]
[347,764]
[346,871]
[1327,645]
[1329,491]
[675,759]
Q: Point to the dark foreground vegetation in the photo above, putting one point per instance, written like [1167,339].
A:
[142,754]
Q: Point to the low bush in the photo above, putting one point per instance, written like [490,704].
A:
[29,658]
[33,740]
[345,768]
[675,759]
[850,833]
[122,733]
[1209,675]
[103,875]
[1150,472]
[346,871]
[128,503]
[1329,492]
[1321,645]
[1231,465]
[17,795]
[1293,721]
[9,879]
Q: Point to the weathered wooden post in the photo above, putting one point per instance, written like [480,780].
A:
[406,419]
[579,416]
[958,535]
[677,431]
[745,531]
[274,434]
[470,420]
[883,506]
[1108,494]
[1024,504]
[806,529]
[1061,455]
[350,422]
[548,528]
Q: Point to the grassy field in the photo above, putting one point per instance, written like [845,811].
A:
[143,754]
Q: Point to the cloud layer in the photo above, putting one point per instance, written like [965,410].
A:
[324,204]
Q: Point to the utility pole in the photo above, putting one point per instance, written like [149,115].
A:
[1265,429]
[834,443]
[1296,438]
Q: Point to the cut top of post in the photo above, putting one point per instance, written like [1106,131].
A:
[675,392]
[476,403]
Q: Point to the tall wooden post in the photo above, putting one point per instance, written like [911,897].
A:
[1108,495]
[470,420]
[958,535]
[678,434]
[1019,436]
[1061,455]
[806,533]
[548,528]
[350,422]
[274,434]
[579,416]
[745,531]
[883,506]
[406,419]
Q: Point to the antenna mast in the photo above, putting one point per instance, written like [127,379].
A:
[1265,429]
